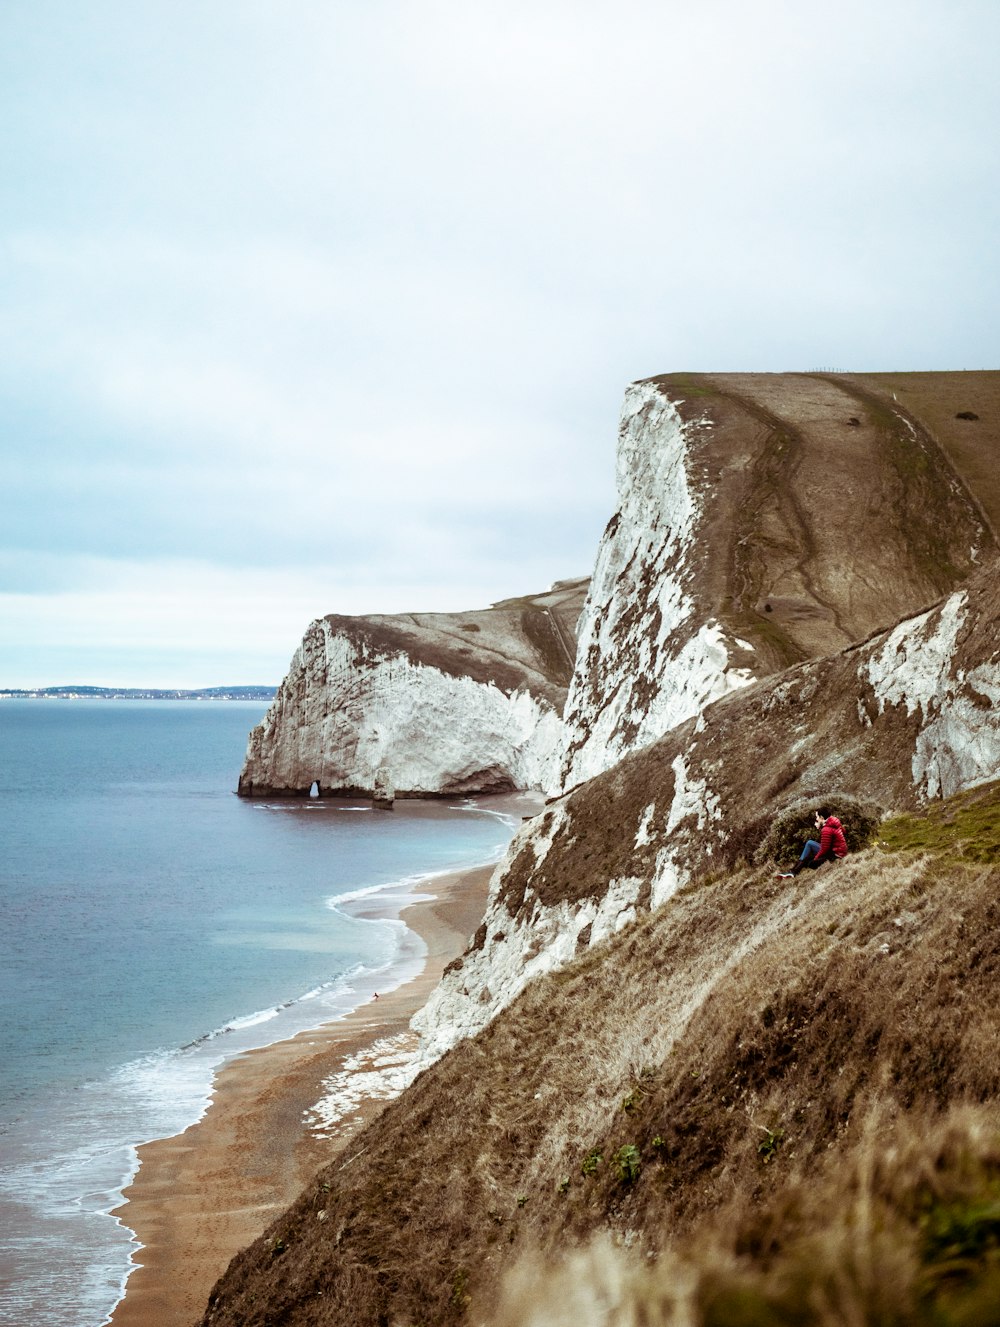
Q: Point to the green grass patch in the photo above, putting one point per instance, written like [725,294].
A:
[964,827]
[589,1164]
[690,384]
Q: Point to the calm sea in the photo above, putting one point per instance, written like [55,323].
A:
[154,925]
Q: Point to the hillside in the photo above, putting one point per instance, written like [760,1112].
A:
[773,1101]
[743,1068]
[908,715]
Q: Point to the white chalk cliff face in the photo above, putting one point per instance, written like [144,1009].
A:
[650,654]
[738,548]
[421,705]
[349,724]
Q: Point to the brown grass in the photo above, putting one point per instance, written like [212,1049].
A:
[830,508]
[938,400]
[902,1228]
[748,1041]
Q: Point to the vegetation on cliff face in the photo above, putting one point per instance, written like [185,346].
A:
[903,1228]
[774,1094]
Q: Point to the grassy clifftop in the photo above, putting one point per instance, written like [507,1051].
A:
[526,643]
[757,1066]
[839,502]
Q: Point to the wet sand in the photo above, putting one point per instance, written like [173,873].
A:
[203,1195]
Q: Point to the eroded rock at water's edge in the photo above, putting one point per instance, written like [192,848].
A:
[428,704]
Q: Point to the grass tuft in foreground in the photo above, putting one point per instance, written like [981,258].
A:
[905,1234]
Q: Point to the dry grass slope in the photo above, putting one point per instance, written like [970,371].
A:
[779,1099]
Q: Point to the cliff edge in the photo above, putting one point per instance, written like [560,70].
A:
[764,519]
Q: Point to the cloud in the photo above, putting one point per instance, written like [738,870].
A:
[349,294]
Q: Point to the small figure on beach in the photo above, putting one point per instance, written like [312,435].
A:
[376,995]
[831,845]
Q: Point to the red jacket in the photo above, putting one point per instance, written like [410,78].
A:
[831,840]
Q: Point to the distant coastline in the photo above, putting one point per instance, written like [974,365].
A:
[137,693]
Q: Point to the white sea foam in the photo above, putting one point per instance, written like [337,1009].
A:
[404,889]
[59,1171]
[251,1020]
[410,889]
[505,817]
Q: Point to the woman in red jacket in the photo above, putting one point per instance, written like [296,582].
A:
[832,845]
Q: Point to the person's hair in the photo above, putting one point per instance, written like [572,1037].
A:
[824,811]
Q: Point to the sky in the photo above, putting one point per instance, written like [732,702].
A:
[328,306]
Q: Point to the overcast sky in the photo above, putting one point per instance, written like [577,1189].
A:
[319,306]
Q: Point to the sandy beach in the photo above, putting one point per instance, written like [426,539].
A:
[201,1196]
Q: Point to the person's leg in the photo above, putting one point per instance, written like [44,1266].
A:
[808,853]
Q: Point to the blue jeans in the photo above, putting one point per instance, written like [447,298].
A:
[808,854]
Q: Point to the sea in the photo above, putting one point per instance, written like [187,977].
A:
[152,926]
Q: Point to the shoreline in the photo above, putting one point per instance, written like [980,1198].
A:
[275,1117]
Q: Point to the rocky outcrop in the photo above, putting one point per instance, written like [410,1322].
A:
[763,519]
[420,705]
[908,716]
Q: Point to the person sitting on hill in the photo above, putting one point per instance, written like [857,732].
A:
[832,845]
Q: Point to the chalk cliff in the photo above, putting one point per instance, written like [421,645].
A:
[763,519]
[422,704]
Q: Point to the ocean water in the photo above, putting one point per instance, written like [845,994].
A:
[153,925]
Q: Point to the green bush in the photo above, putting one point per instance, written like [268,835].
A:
[767,1148]
[629,1163]
[790,828]
[590,1162]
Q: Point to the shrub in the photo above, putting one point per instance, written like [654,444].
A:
[790,828]
[767,1148]
[629,1163]
[590,1162]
